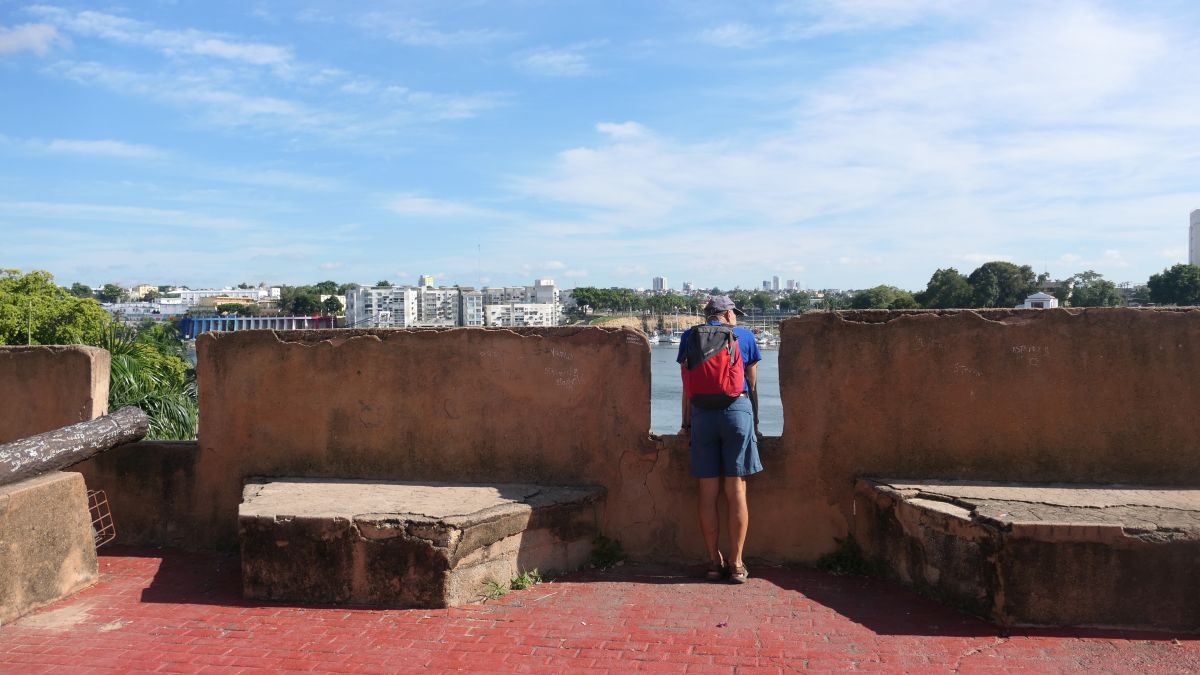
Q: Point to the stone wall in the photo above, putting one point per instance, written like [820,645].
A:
[1057,395]
[550,406]
[47,387]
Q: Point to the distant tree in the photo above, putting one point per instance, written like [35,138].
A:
[833,300]
[331,306]
[305,305]
[1091,289]
[151,295]
[761,301]
[234,308]
[346,288]
[163,290]
[35,310]
[1001,284]
[383,284]
[110,293]
[795,301]
[251,309]
[80,290]
[1176,285]
[243,285]
[883,297]
[326,287]
[947,289]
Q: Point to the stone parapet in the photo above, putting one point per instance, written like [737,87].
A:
[47,387]
[46,547]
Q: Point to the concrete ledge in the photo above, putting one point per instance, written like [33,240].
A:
[1048,555]
[406,544]
[46,546]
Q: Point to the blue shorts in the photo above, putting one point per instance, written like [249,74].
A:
[723,441]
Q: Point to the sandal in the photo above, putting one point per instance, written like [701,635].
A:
[716,571]
[739,574]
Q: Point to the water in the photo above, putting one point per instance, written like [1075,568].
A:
[666,390]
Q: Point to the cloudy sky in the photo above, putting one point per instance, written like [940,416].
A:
[840,143]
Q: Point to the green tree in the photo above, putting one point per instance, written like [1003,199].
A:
[110,293]
[1001,284]
[305,305]
[326,287]
[1176,285]
[81,290]
[331,306]
[235,308]
[148,372]
[1091,289]
[947,289]
[761,301]
[35,310]
[346,288]
[795,301]
[883,297]
[151,295]
[383,284]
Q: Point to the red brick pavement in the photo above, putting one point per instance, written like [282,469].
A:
[176,612]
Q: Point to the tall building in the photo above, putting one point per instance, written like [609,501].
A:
[791,284]
[425,281]
[775,283]
[687,287]
[1194,239]
[660,284]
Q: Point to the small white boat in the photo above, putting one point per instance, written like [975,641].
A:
[676,337]
[653,338]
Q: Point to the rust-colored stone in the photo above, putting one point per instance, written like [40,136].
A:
[47,387]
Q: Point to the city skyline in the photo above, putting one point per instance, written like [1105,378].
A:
[843,143]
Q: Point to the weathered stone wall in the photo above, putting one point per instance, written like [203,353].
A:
[1076,396]
[46,547]
[547,406]
[1098,395]
[47,387]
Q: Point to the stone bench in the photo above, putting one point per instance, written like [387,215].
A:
[1050,555]
[406,544]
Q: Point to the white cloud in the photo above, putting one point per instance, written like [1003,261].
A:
[555,62]
[38,38]
[103,147]
[415,32]
[415,206]
[169,42]
[130,215]
[623,130]
[331,265]
[733,35]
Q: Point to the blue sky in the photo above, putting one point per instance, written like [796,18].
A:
[841,143]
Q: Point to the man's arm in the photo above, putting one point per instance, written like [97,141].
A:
[685,426]
[752,380]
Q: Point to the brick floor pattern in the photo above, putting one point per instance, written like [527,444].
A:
[183,612]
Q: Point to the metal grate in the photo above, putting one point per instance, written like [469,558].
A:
[103,530]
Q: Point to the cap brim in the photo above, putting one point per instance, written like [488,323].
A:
[738,312]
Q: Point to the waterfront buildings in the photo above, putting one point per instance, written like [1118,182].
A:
[428,306]
[192,298]
[1194,239]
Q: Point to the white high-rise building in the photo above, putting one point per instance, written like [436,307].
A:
[1194,239]
[775,283]
[659,284]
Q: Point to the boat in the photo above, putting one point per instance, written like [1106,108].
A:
[676,337]
[653,338]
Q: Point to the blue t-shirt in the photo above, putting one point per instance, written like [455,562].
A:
[746,344]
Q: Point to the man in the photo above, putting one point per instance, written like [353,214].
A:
[724,447]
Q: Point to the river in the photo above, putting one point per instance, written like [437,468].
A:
[666,389]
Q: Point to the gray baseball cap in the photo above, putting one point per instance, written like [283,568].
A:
[721,303]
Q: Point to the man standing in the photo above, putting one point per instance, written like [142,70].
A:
[724,446]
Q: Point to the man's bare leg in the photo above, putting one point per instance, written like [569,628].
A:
[710,489]
[739,517]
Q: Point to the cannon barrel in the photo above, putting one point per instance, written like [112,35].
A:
[53,450]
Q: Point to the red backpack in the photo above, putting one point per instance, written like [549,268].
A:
[714,375]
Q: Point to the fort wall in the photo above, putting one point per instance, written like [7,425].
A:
[1057,395]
